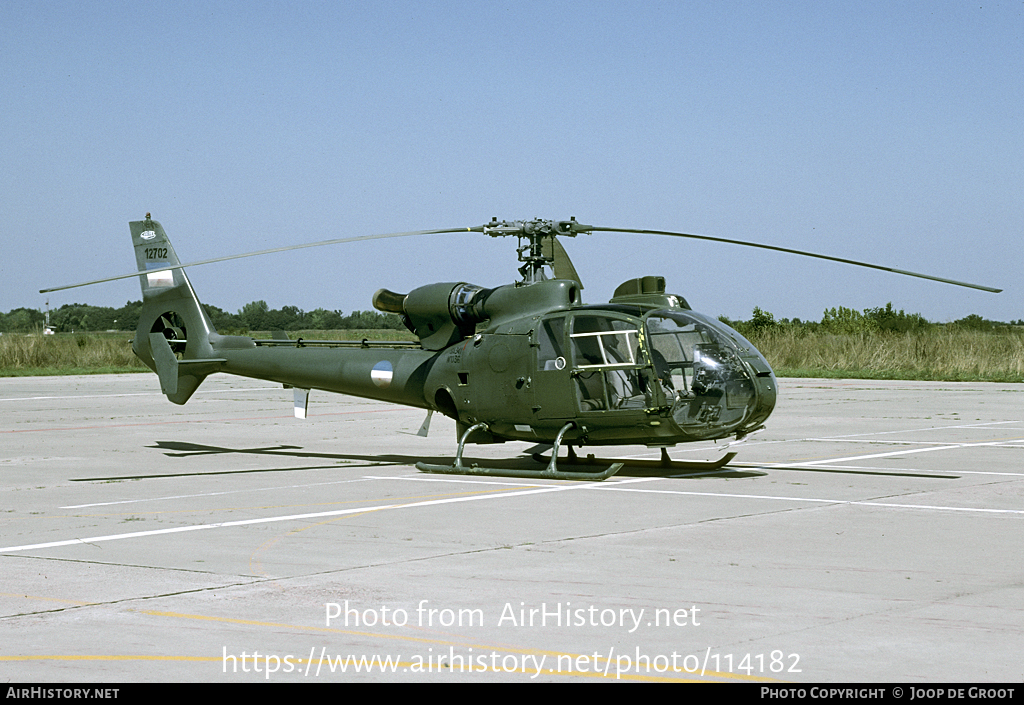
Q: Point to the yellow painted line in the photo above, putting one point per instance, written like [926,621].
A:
[502,649]
[301,627]
[415,668]
[374,664]
[107,657]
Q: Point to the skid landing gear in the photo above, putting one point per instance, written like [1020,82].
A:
[665,463]
[551,472]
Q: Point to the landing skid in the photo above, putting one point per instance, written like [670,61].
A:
[551,472]
[665,463]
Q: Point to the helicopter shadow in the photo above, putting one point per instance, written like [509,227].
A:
[526,462]
[651,468]
[186,449]
[629,470]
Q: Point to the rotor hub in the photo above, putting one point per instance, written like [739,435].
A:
[531,234]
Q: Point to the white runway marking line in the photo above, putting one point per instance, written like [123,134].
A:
[613,486]
[1011,443]
[206,494]
[291,517]
[136,394]
[829,462]
[822,465]
[929,445]
[856,436]
[893,453]
[864,503]
[867,438]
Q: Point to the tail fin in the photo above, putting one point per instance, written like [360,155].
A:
[173,337]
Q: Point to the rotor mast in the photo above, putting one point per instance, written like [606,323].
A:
[531,234]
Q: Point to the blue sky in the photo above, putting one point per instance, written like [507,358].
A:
[891,133]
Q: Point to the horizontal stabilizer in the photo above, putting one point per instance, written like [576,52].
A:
[179,378]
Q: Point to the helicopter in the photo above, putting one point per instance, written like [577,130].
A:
[528,361]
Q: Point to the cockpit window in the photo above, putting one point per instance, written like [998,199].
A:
[599,342]
[549,345]
[607,363]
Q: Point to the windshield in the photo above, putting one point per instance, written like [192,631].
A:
[699,363]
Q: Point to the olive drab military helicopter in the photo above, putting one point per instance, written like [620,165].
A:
[527,361]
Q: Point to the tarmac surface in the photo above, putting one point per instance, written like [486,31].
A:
[873,532]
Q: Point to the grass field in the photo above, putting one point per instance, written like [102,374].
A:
[111,353]
[947,354]
[944,354]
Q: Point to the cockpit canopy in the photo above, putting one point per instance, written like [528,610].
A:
[717,377]
[708,377]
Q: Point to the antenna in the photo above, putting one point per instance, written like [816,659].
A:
[47,328]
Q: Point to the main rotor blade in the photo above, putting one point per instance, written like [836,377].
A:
[336,241]
[796,252]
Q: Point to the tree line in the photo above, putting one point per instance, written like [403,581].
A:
[258,316]
[842,320]
[254,316]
